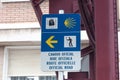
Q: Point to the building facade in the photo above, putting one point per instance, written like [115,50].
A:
[20,39]
[20,31]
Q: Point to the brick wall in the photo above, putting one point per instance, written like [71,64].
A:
[19,12]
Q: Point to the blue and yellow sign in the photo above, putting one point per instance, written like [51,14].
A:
[60,42]
[55,27]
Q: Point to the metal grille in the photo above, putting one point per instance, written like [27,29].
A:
[47,78]
[32,78]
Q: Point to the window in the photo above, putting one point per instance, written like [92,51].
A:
[18,78]
[23,63]
[33,78]
[47,78]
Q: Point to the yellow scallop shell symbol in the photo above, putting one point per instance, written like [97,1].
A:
[70,22]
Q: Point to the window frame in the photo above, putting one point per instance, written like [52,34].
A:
[33,78]
[5,75]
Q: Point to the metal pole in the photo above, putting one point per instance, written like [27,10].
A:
[65,75]
[106,40]
[60,75]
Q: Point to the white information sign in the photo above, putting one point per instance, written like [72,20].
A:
[61,61]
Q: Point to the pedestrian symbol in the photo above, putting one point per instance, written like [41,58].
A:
[70,41]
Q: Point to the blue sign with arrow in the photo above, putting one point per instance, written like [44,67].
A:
[60,34]
[60,27]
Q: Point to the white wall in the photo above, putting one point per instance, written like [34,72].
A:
[13,32]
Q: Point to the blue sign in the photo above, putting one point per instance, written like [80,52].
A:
[66,31]
[60,44]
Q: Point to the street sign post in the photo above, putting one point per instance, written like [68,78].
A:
[60,45]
